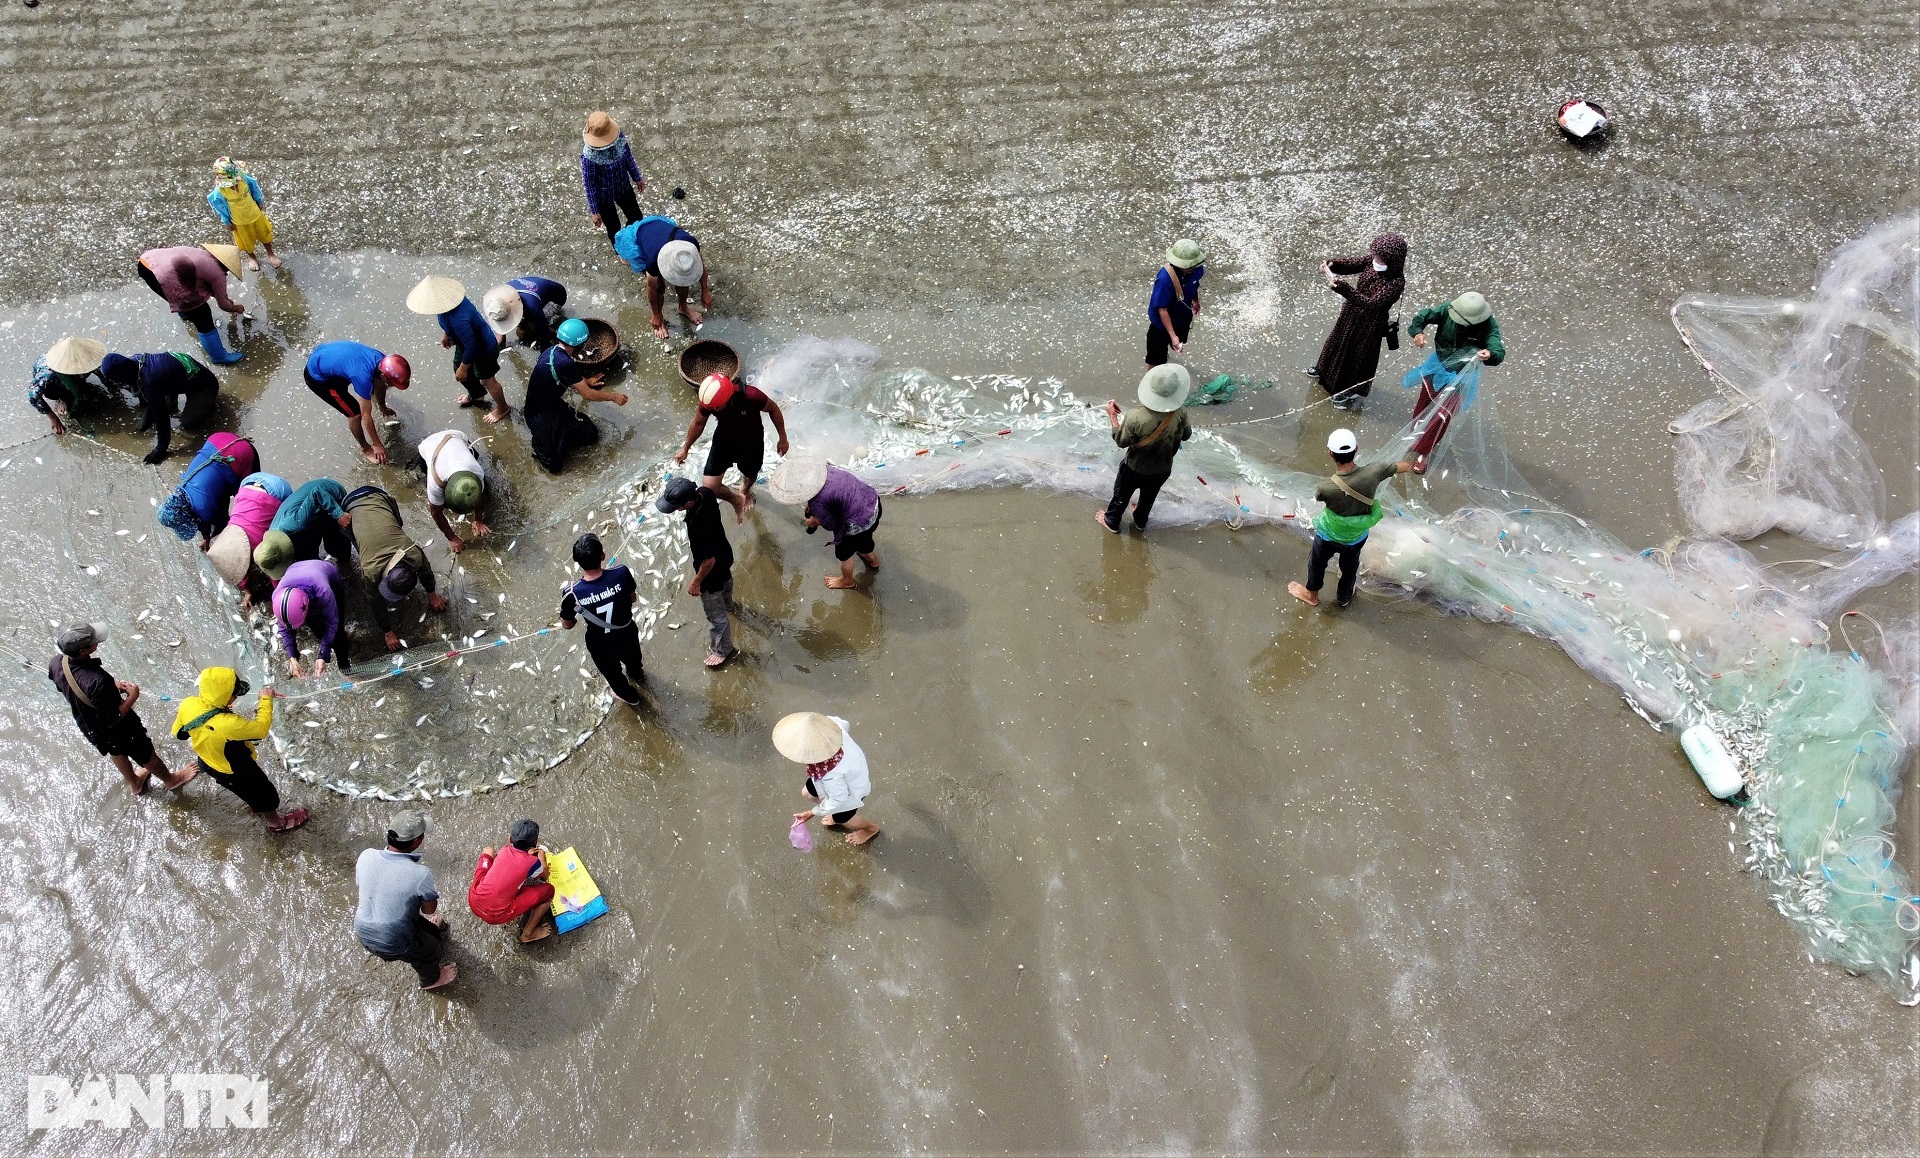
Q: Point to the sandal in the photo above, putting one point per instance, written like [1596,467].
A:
[290,821]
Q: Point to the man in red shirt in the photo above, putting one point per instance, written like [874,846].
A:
[513,883]
[738,438]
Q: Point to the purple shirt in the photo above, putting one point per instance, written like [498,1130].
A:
[320,580]
[845,505]
[605,181]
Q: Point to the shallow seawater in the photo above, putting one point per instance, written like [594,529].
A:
[1168,864]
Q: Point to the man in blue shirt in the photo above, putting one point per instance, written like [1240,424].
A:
[556,427]
[354,379]
[1175,300]
[464,330]
[528,308]
[665,254]
[398,918]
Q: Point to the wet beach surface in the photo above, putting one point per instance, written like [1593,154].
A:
[1168,864]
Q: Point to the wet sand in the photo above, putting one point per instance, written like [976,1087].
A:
[1169,864]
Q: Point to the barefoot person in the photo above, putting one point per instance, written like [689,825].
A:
[398,917]
[1347,514]
[354,380]
[837,500]
[1151,434]
[739,439]
[837,774]
[464,330]
[223,744]
[666,255]
[456,481]
[391,563]
[512,885]
[1175,300]
[604,597]
[528,308]
[103,710]
[308,595]
[712,555]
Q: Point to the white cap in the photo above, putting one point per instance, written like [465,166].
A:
[1342,441]
[679,263]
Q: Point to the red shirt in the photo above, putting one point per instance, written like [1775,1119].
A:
[497,880]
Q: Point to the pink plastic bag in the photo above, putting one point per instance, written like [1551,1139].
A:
[800,836]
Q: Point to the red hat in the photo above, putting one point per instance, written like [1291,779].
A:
[395,370]
[716,390]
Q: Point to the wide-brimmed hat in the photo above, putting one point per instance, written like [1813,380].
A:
[75,356]
[80,637]
[602,130]
[1164,388]
[679,263]
[1185,254]
[274,554]
[798,478]
[808,737]
[503,309]
[1469,309]
[230,554]
[463,490]
[227,255]
[435,295]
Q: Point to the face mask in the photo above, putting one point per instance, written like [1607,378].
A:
[1379,266]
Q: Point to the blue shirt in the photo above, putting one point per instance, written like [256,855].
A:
[1162,297]
[469,330]
[536,293]
[547,386]
[347,364]
[209,490]
[321,498]
[639,244]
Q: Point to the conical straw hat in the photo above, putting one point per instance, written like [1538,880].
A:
[231,554]
[75,356]
[798,478]
[435,295]
[227,255]
[807,737]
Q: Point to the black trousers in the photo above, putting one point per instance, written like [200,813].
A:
[323,532]
[1324,550]
[248,780]
[201,315]
[617,654]
[428,950]
[629,204]
[1158,344]
[1125,484]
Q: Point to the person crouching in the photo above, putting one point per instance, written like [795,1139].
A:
[512,883]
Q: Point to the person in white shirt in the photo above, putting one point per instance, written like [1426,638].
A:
[456,481]
[837,774]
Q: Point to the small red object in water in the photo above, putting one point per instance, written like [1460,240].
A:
[1008,430]
[1203,482]
[918,453]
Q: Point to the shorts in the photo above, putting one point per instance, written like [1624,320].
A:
[334,396]
[838,817]
[748,459]
[127,738]
[860,544]
[246,780]
[529,897]
[485,364]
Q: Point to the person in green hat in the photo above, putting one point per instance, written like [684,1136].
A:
[1175,300]
[1151,434]
[456,481]
[1464,332]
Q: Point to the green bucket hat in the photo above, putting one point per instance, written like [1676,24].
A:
[463,490]
[1185,254]
[1469,309]
[274,554]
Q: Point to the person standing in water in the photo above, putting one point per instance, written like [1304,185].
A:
[102,709]
[1151,434]
[223,744]
[391,563]
[610,175]
[666,255]
[309,593]
[456,481]
[398,916]
[712,580]
[837,500]
[1175,300]
[604,597]
[739,440]
[157,379]
[354,380]
[236,199]
[1464,329]
[1348,513]
[512,884]
[464,330]
[189,276]
[1350,356]
[837,775]
[558,429]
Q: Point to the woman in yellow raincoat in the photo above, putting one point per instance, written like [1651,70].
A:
[237,200]
[221,740]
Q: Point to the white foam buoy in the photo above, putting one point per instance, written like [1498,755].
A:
[1710,758]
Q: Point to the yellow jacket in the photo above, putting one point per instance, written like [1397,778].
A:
[209,740]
